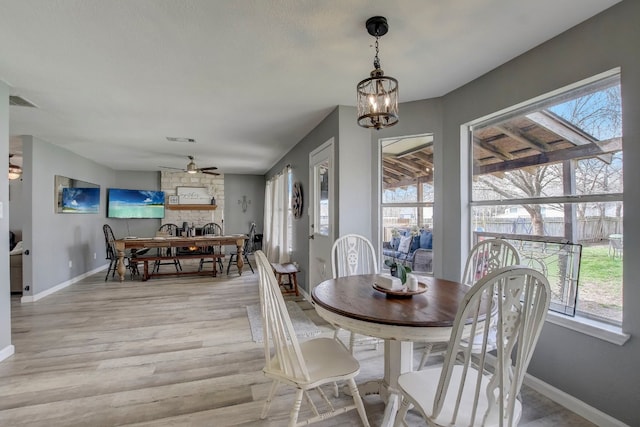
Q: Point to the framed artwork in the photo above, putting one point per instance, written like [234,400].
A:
[174,200]
[75,196]
[81,200]
[193,195]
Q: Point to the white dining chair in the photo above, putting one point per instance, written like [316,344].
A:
[353,254]
[304,365]
[485,257]
[484,392]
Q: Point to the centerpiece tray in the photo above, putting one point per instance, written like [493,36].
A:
[401,293]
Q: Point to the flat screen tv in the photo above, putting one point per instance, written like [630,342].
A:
[124,203]
[80,200]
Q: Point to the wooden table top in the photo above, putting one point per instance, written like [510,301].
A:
[355,297]
[177,241]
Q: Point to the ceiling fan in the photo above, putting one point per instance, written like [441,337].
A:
[192,168]
[14,170]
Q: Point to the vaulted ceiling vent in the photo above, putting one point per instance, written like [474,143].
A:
[19,101]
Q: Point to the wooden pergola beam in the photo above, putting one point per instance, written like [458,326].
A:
[594,149]
[502,155]
[516,134]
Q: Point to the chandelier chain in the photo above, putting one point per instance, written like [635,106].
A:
[376,60]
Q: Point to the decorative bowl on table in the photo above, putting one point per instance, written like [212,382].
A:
[402,292]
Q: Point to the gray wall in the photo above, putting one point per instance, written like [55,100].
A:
[603,375]
[55,239]
[236,186]
[354,169]
[5,300]
[353,166]
[16,207]
[298,158]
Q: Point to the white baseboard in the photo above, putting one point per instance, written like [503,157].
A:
[56,288]
[305,295]
[7,352]
[590,413]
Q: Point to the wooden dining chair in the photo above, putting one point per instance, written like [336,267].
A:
[129,257]
[485,257]
[304,365]
[353,254]
[169,230]
[212,228]
[485,391]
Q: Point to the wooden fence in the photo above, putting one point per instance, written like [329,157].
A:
[589,229]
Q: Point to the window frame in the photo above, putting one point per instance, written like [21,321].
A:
[581,322]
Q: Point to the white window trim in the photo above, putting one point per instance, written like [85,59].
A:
[594,328]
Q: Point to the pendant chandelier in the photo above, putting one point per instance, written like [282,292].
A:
[378,94]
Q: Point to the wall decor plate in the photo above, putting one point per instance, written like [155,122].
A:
[296,200]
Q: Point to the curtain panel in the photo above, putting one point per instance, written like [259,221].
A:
[276,218]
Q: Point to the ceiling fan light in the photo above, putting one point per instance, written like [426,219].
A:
[14,171]
[191,167]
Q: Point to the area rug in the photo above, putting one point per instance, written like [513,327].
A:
[303,326]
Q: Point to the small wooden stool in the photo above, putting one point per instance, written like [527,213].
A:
[290,271]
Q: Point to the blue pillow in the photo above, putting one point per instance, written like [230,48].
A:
[415,242]
[426,239]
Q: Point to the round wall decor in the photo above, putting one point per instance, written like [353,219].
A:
[296,200]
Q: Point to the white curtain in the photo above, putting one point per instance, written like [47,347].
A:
[276,217]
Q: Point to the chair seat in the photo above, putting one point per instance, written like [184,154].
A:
[316,352]
[422,387]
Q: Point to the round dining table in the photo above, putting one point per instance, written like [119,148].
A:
[356,304]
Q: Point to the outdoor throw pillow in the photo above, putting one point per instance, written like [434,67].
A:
[405,243]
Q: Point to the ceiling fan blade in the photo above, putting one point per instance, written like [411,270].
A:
[209,168]
[209,173]
[169,167]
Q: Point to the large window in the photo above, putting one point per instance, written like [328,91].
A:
[549,177]
[407,200]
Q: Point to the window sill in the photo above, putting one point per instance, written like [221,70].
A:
[600,330]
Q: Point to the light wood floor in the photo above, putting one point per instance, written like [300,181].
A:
[167,352]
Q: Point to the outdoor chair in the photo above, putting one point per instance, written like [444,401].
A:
[483,392]
[304,365]
[353,254]
[485,256]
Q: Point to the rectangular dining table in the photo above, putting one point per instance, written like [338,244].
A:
[355,304]
[121,245]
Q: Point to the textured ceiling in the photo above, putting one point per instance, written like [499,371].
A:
[246,79]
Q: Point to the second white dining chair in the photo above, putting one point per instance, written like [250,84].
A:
[304,365]
[353,254]
[485,257]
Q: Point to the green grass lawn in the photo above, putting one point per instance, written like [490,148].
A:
[600,283]
[596,265]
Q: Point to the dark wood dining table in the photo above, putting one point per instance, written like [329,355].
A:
[121,245]
[354,304]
